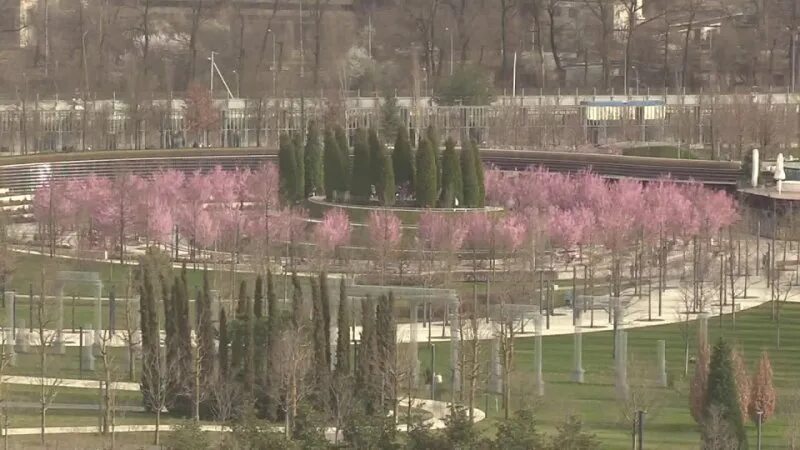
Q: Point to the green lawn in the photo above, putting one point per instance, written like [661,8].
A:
[668,423]
[27,269]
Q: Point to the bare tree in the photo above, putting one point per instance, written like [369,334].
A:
[294,361]
[643,393]
[716,431]
[46,324]
[107,385]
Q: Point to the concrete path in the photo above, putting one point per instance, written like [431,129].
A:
[438,410]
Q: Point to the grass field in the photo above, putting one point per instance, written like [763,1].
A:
[668,422]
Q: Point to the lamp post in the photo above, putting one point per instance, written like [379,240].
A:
[274,64]
[238,85]
[759,418]
[451,49]
[211,72]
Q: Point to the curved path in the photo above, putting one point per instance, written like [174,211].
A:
[437,409]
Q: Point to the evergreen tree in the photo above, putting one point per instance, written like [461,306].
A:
[389,190]
[270,391]
[452,186]
[469,178]
[386,337]
[171,340]
[238,343]
[205,333]
[297,303]
[326,313]
[223,346]
[367,374]
[376,160]
[313,163]
[249,348]
[723,399]
[258,297]
[425,187]
[361,180]
[519,432]
[183,403]
[479,176]
[390,115]
[150,381]
[287,166]
[403,160]
[332,165]
[321,364]
[343,337]
[432,135]
[345,165]
[300,170]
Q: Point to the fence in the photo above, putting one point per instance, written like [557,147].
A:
[727,124]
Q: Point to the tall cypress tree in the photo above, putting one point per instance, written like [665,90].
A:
[432,135]
[273,334]
[205,334]
[151,348]
[452,185]
[298,146]
[297,303]
[388,191]
[313,156]
[376,161]
[722,399]
[367,376]
[258,297]
[479,176]
[386,347]
[224,342]
[361,180]
[249,348]
[321,351]
[426,190]
[238,342]
[343,336]
[326,312]
[332,165]
[345,165]
[403,160]
[287,166]
[469,177]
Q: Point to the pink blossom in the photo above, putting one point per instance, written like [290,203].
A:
[261,186]
[439,231]
[333,231]
[479,230]
[512,231]
[568,228]
[384,230]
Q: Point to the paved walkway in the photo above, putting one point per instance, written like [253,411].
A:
[438,410]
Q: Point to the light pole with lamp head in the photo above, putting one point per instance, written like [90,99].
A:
[452,47]
[211,81]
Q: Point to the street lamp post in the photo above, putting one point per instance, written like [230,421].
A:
[452,47]
[759,417]
[211,72]
[274,64]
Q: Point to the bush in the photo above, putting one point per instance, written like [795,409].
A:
[469,86]
[188,436]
